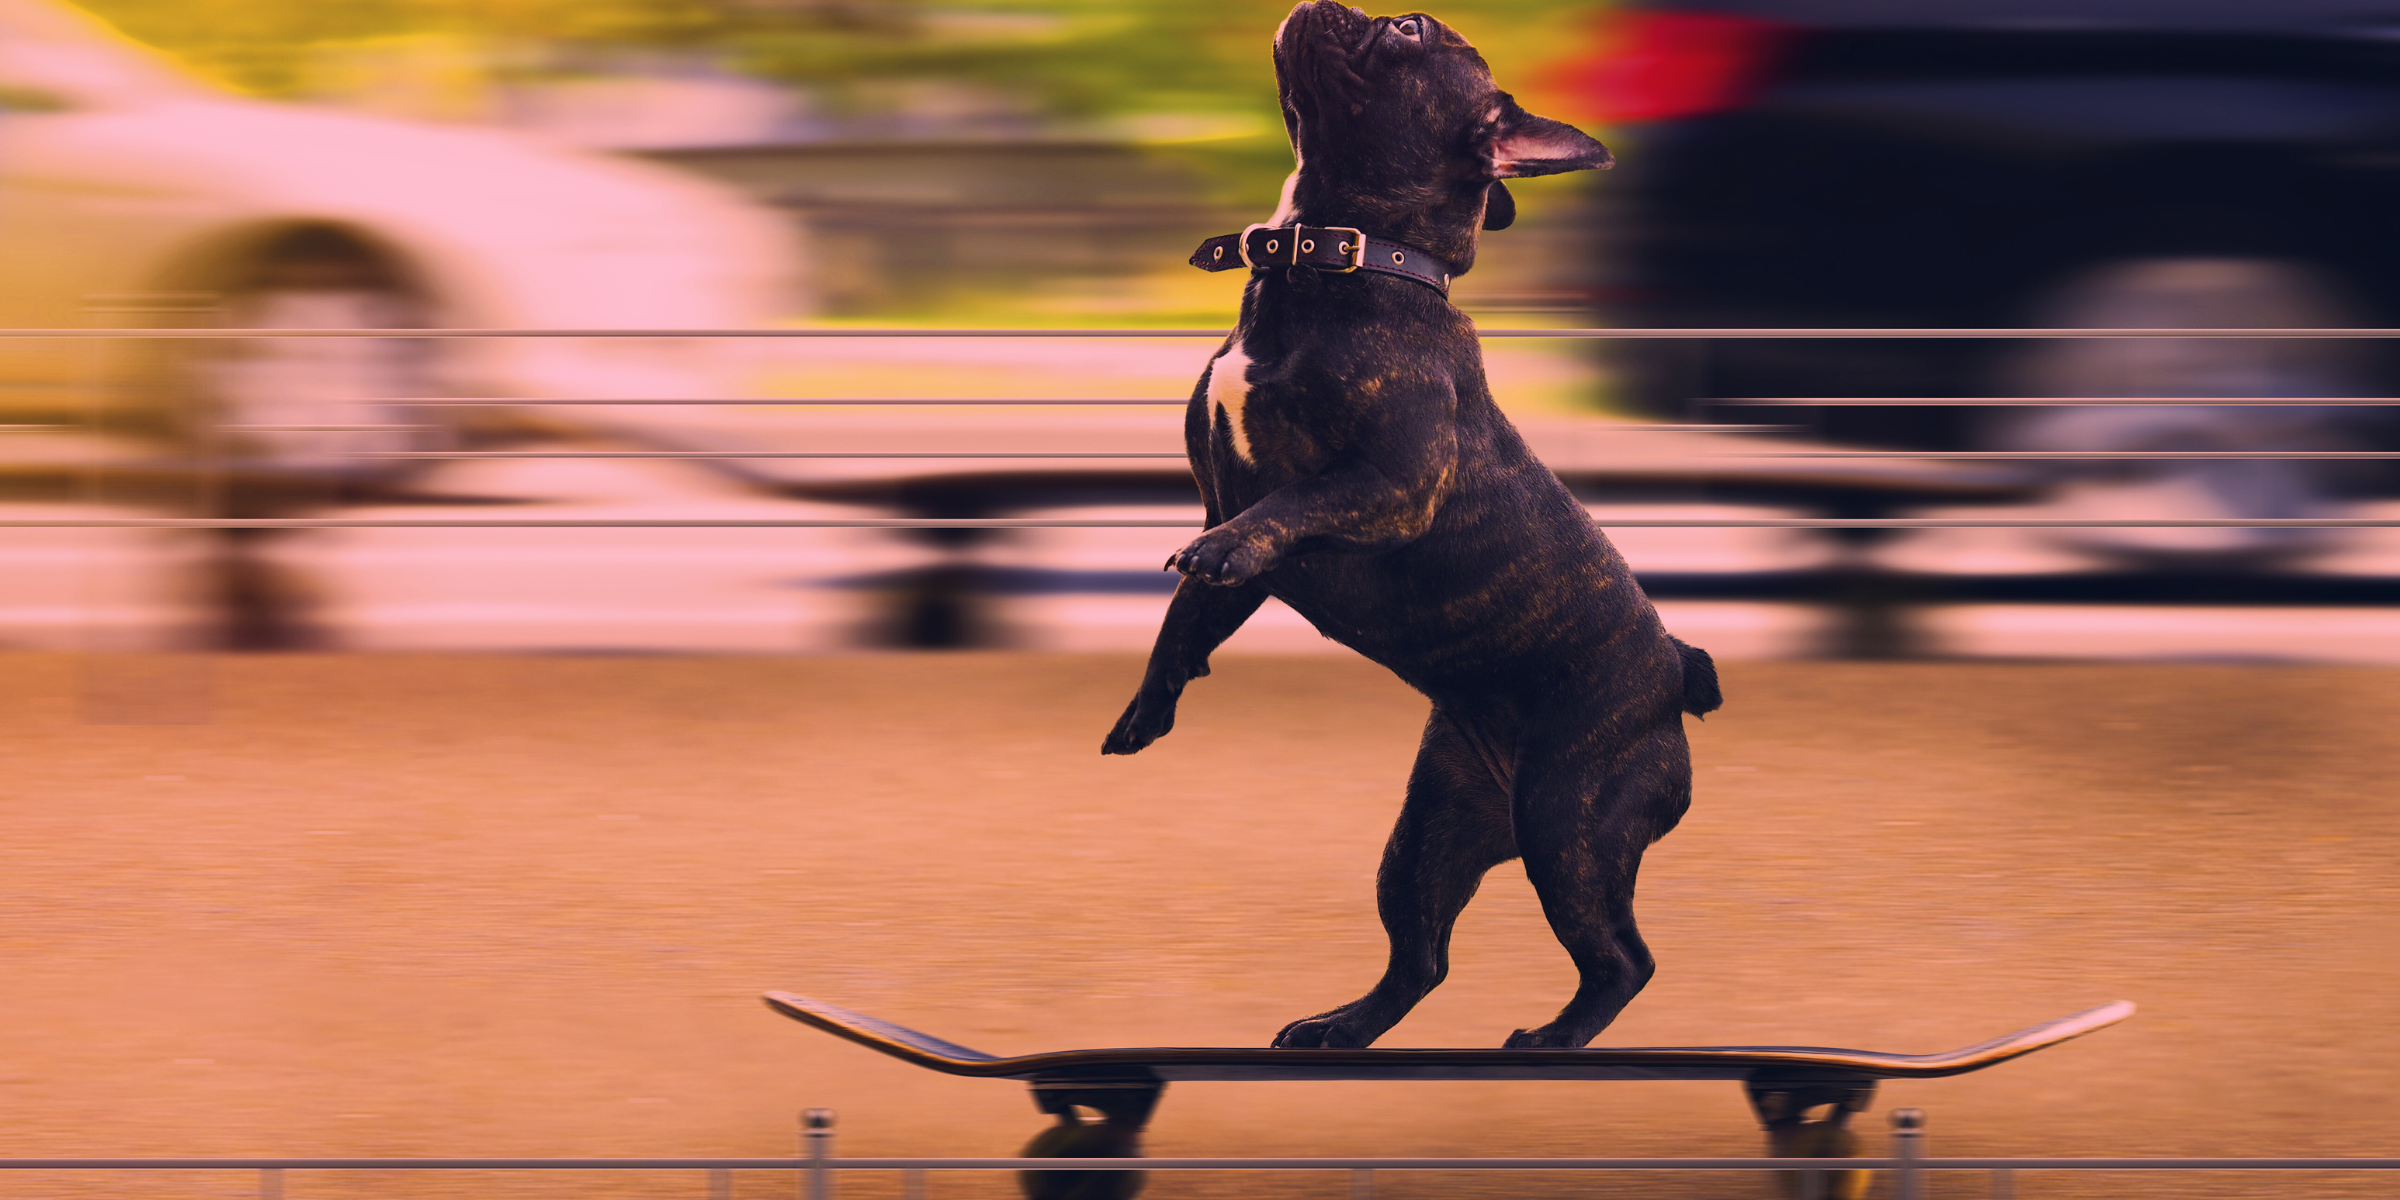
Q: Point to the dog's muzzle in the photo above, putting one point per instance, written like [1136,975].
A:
[1334,249]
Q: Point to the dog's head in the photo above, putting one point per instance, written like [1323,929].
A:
[1399,129]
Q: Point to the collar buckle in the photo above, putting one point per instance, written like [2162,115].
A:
[1357,245]
[1242,244]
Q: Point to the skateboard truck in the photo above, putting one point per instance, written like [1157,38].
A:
[1783,1098]
[1123,1099]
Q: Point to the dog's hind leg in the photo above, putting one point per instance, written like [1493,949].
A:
[1453,827]
[1585,812]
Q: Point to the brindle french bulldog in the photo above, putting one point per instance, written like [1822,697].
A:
[1354,466]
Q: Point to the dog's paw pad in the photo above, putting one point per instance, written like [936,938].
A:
[1317,1033]
[1544,1038]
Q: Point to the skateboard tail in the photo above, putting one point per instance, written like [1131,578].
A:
[2013,1045]
[899,1041]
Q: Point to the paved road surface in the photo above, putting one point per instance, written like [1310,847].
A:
[523,906]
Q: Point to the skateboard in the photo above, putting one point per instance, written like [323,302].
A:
[1784,1083]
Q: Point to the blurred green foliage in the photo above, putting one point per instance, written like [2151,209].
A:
[1194,78]
[1062,58]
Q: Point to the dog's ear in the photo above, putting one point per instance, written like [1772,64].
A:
[1524,145]
[1499,208]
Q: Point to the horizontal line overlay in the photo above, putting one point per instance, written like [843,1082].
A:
[1194,1164]
[1896,332]
[1165,523]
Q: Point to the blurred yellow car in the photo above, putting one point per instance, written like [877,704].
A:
[131,193]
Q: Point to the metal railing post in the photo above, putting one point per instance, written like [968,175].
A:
[1362,1183]
[816,1144]
[720,1184]
[1908,1145]
[2004,1183]
[270,1183]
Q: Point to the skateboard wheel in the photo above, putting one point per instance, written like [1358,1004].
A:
[1821,1139]
[1074,1137]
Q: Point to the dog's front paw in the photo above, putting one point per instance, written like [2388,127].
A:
[1225,556]
[1146,720]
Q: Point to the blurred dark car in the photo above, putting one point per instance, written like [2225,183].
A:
[1874,163]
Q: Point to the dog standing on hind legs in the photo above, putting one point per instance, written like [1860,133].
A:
[1353,465]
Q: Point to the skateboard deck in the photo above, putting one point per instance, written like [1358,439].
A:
[1179,1063]
[1786,1085]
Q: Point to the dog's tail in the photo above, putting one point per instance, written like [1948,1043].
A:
[1700,694]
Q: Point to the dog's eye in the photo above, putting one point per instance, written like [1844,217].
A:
[1408,27]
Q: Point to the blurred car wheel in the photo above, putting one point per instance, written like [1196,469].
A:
[2197,293]
[289,424]
[315,405]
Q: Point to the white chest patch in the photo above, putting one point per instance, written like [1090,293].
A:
[1228,387]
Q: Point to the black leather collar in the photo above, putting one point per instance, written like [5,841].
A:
[1332,248]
